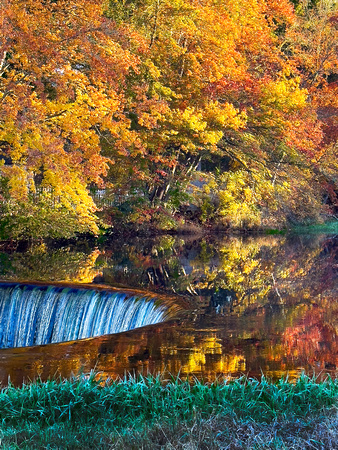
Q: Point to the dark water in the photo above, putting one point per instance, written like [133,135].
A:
[257,304]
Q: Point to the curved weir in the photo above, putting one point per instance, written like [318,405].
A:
[35,315]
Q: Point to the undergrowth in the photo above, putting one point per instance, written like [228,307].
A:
[151,412]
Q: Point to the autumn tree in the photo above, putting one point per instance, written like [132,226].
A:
[131,96]
[63,68]
[175,118]
[311,44]
[217,81]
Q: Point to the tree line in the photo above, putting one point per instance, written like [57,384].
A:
[218,111]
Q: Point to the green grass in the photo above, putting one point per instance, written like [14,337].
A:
[151,412]
[327,228]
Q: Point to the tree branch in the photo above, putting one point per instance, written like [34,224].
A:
[3,65]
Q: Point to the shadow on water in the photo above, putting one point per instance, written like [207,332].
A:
[260,304]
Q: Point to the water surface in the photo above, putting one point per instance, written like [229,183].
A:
[256,304]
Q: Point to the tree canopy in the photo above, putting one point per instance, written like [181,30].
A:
[130,97]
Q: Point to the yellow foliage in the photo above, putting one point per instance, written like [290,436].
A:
[222,116]
[18,181]
[285,95]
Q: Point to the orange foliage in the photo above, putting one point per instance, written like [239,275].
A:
[154,86]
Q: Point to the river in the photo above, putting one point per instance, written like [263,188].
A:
[244,306]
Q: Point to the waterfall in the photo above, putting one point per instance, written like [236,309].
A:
[36,315]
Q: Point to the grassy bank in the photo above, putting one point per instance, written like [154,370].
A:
[147,413]
[325,228]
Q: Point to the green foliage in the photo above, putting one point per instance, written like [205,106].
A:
[148,398]
[45,218]
[252,198]
[301,4]
[87,404]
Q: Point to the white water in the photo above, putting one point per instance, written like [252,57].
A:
[36,315]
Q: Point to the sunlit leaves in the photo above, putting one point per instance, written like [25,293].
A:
[133,95]
[61,87]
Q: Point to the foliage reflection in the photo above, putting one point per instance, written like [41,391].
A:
[265,303]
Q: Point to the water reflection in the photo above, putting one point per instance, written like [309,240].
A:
[40,263]
[258,304]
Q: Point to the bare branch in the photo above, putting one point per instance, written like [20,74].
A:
[3,65]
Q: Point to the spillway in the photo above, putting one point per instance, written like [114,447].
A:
[36,315]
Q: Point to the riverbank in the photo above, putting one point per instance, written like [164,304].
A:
[123,230]
[155,413]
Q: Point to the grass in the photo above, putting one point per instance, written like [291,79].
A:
[150,412]
[327,228]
